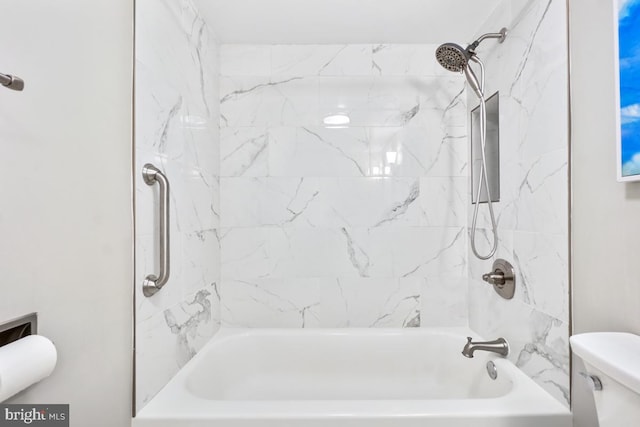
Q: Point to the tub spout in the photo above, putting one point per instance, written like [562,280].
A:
[499,346]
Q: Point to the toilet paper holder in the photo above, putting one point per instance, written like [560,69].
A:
[18,328]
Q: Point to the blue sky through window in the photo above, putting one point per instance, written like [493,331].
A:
[629,35]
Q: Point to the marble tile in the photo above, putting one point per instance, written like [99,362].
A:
[406,59]
[169,339]
[382,252]
[366,202]
[542,263]
[270,303]
[264,101]
[321,202]
[194,198]
[155,358]
[538,342]
[428,251]
[244,151]
[193,322]
[372,101]
[369,303]
[530,71]
[419,151]
[254,202]
[443,201]
[200,260]
[321,60]
[444,301]
[245,60]
[177,108]
[318,152]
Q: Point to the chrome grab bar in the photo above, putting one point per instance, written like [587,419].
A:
[152,284]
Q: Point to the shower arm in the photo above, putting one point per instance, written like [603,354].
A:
[500,36]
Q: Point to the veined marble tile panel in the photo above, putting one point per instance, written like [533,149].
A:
[344,152]
[321,202]
[443,201]
[369,303]
[321,60]
[407,59]
[393,101]
[269,101]
[444,300]
[245,60]
[419,150]
[270,303]
[170,338]
[255,202]
[200,259]
[314,151]
[542,263]
[195,197]
[393,251]
[177,108]
[429,251]
[158,106]
[244,151]
[538,342]
[530,70]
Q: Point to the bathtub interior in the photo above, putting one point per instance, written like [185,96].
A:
[339,365]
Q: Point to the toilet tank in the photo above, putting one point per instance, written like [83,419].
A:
[612,362]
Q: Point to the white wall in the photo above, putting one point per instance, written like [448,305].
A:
[65,191]
[605,213]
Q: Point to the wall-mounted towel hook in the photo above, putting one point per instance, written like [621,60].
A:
[11,82]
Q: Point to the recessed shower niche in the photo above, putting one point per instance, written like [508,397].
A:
[492,151]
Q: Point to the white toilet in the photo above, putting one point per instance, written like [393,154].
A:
[612,362]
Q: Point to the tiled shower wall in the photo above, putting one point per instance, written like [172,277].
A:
[334,226]
[177,108]
[530,71]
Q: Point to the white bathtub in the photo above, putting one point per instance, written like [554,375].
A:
[348,378]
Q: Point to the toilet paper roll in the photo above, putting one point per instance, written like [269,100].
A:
[24,363]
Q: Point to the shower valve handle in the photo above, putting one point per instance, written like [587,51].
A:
[503,278]
[495,278]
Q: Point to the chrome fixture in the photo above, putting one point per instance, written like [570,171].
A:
[15,329]
[152,284]
[499,346]
[11,82]
[492,370]
[503,278]
[454,57]
[594,382]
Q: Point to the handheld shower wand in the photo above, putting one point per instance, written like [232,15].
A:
[455,58]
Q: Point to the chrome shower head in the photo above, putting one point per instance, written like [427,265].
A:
[453,57]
